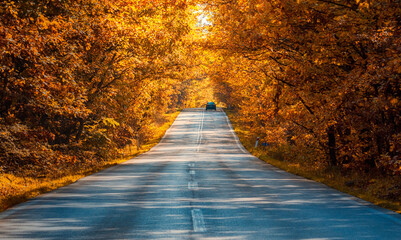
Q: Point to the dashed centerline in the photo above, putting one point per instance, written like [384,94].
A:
[197,221]
[193,186]
[199,140]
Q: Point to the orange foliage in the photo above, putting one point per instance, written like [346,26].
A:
[317,75]
[81,79]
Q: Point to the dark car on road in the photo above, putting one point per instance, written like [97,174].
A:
[211,105]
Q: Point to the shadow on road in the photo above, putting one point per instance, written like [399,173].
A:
[198,165]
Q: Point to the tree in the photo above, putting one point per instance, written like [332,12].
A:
[80,79]
[317,74]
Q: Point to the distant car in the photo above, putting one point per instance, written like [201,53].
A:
[211,105]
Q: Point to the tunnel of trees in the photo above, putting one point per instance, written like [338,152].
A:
[80,80]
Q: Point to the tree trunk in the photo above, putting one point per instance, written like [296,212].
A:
[332,145]
[80,129]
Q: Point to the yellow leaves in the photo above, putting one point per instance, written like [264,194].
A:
[110,122]
[343,67]
[10,8]
[364,4]
[119,62]
[9,37]
[43,22]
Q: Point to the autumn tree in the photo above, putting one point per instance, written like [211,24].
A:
[80,79]
[318,75]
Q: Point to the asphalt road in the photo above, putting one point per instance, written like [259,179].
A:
[198,183]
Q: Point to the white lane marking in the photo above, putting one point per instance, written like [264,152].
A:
[191,165]
[199,140]
[193,186]
[197,221]
[192,172]
[235,135]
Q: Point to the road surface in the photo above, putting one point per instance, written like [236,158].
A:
[198,183]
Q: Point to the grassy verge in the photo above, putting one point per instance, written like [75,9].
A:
[14,189]
[376,188]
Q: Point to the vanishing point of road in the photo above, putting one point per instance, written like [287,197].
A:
[197,183]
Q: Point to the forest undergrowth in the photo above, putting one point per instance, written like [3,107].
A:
[21,186]
[372,186]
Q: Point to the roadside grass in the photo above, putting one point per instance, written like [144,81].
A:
[381,190]
[16,189]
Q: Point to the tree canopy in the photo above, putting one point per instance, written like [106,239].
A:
[81,79]
[318,75]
